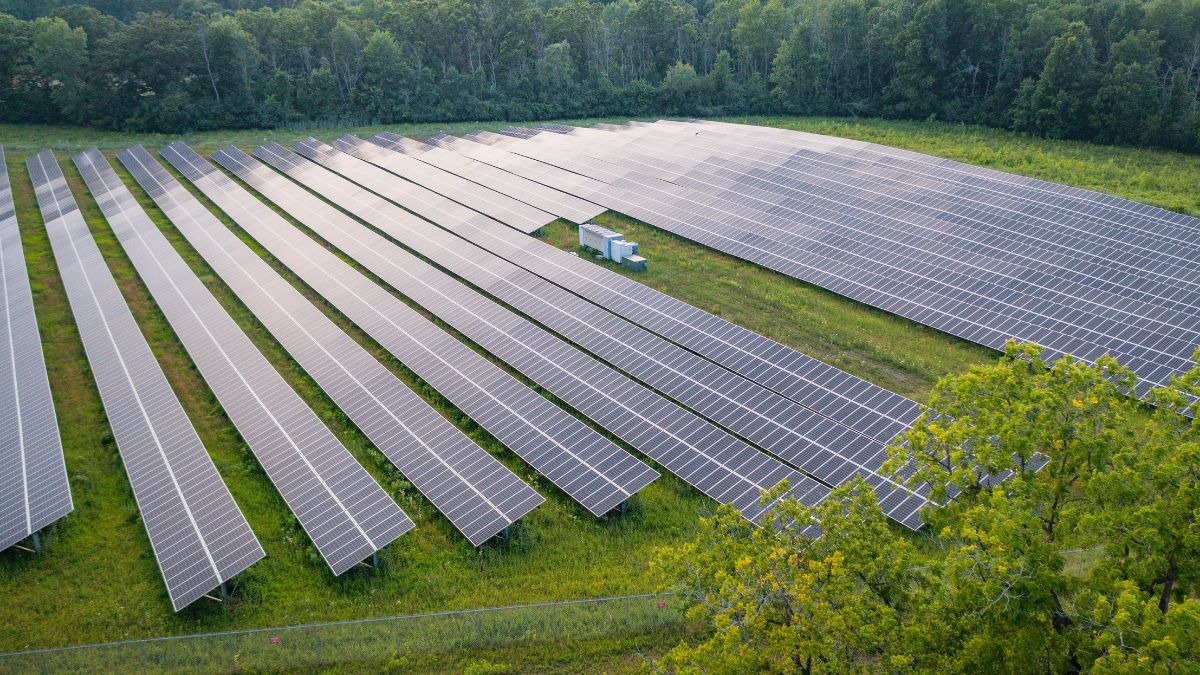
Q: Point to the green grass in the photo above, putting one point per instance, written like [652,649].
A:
[97,580]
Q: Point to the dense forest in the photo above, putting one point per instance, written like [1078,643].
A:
[1114,71]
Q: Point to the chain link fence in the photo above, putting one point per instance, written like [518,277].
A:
[363,641]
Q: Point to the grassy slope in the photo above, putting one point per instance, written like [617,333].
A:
[98,580]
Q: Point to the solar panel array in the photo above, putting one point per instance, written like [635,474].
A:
[477,493]
[585,465]
[345,512]
[977,253]
[980,254]
[199,536]
[831,452]
[34,491]
[545,198]
[712,460]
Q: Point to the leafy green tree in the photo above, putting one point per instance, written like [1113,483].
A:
[921,60]
[230,58]
[384,91]
[1057,104]
[760,27]
[781,600]
[59,55]
[656,33]
[1053,67]
[680,88]
[1087,469]
[95,23]
[556,68]
[14,43]
[1127,100]
[346,49]
[785,81]
[721,78]
[1177,124]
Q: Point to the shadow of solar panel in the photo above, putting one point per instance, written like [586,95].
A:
[346,513]
[478,494]
[199,536]
[34,491]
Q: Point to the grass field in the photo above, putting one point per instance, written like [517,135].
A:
[98,581]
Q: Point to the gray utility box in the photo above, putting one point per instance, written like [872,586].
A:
[611,245]
[635,263]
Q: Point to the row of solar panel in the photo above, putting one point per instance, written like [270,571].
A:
[715,390]
[197,532]
[33,479]
[832,452]
[978,253]
[837,395]
[199,536]
[641,357]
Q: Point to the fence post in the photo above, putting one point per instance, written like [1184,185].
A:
[317,639]
[478,630]
[397,630]
[142,656]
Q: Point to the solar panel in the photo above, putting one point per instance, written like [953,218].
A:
[547,199]
[504,208]
[681,441]
[985,275]
[833,453]
[582,463]
[199,536]
[34,491]
[345,512]
[478,494]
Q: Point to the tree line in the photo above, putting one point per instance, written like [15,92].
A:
[1086,559]
[1114,71]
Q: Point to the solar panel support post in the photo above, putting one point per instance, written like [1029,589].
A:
[507,534]
[374,564]
[37,541]
[224,593]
